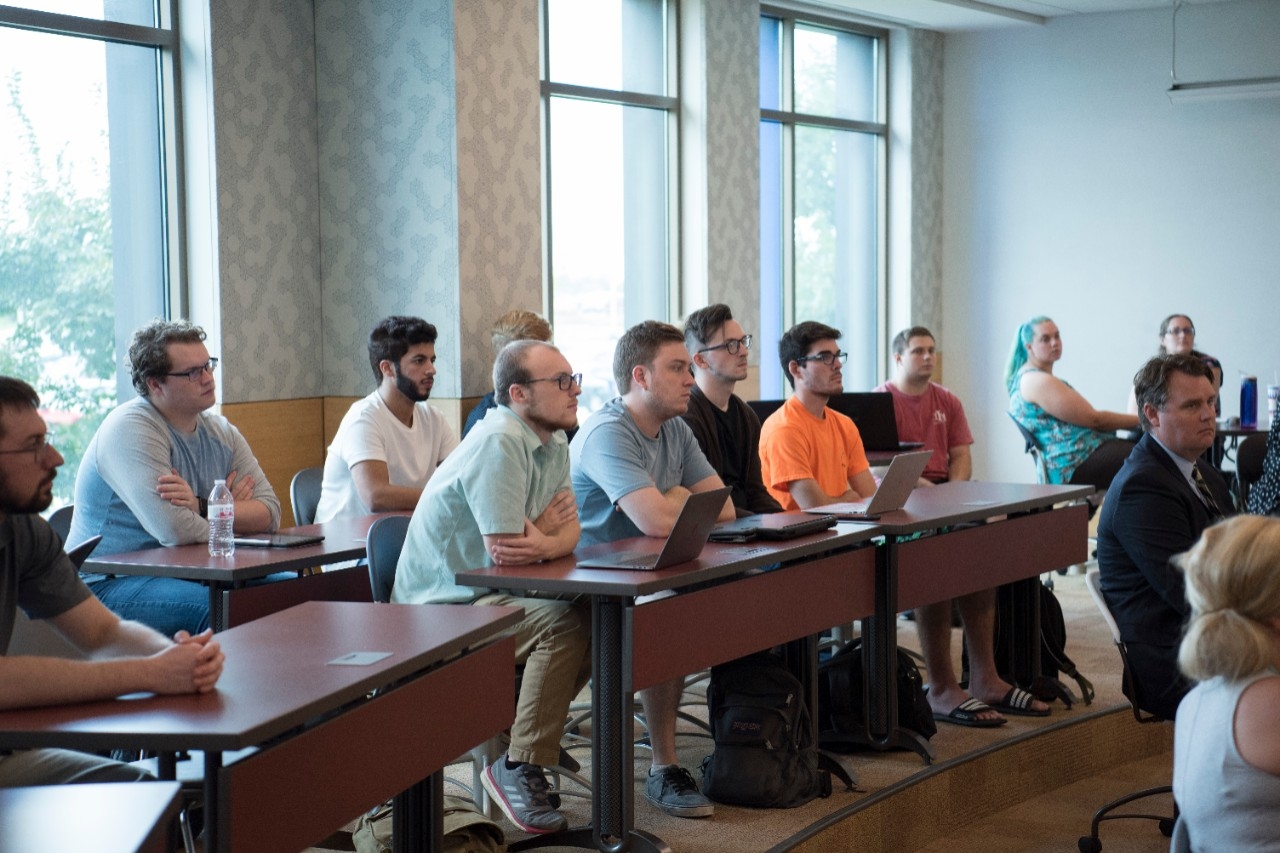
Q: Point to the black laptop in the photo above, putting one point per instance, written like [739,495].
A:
[774,525]
[872,411]
[278,540]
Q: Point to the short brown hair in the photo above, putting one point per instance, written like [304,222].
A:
[796,341]
[149,349]
[640,345]
[519,325]
[702,325]
[1151,383]
[16,394]
[903,338]
[510,368]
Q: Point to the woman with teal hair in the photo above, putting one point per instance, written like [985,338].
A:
[1071,434]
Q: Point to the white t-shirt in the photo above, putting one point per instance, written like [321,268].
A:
[369,431]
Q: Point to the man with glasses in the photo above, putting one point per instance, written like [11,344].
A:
[811,455]
[147,472]
[634,464]
[37,575]
[391,442]
[726,429]
[504,498]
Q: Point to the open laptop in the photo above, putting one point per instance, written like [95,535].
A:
[277,540]
[688,535]
[873,413]
[904,471]
[774,525]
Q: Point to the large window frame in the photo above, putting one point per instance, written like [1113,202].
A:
[778,289]
[650,178]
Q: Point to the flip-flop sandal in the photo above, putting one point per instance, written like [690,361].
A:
[966,714]
[1018,702]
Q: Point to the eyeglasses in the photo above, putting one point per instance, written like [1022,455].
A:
[827,358]
[1181,330]
[564,381]
[196,373]
[733,345]
[36,450]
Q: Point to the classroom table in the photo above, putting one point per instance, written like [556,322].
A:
[231,602]
[333,739]
[726,607]
[953,539]
[121,817]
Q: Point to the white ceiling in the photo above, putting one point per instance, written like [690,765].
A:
[957,15]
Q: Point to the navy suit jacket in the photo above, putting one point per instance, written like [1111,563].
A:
[1150,514]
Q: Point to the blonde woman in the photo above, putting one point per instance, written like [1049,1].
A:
[1226,757]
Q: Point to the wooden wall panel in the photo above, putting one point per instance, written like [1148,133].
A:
[285,435]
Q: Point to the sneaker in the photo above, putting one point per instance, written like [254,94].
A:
[674,791]
[522,795]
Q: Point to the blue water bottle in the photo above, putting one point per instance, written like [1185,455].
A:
[1248,402]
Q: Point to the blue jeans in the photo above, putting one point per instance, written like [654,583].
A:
[167,604]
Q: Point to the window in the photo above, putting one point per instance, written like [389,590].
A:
[822,144]
[85,173]
[609,138]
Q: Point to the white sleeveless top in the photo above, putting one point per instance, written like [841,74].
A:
[1226,803]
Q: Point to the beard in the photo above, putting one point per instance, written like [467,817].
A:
[409,388]
[13,504]
[537,421]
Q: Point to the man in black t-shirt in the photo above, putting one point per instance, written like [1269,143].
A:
[727,430]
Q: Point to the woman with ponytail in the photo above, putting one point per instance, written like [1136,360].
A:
[1070,433]
[1226,755]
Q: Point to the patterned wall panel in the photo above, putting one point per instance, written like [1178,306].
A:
[926,180]
[733,156]
[268,240]
[499,182]
[387,179]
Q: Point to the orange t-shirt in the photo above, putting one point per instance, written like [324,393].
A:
[794,445]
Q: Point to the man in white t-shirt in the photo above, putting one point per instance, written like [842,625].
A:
[388,444]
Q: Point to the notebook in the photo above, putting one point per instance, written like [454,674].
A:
[891,495]
[873,413]
[776,525]
[277,540]
[688,535]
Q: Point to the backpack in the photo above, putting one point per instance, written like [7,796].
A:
[764,751]
[841,715]
[1053,652]
[465,830]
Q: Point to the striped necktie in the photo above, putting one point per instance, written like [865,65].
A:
[1207,496]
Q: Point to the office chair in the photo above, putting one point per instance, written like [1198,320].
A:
[1249,458]
[383,546]
[1091,843]
[81,552]
[304,494]
[60,520]
[1042,470]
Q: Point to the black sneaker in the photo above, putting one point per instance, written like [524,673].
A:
[674,791]
[521,793]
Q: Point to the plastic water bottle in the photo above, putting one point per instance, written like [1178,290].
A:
[222,520]
[1248,402]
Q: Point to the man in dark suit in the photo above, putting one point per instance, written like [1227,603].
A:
[1157,506]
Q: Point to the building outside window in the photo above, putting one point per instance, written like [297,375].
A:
[609,136]
[822,164]
[86,202]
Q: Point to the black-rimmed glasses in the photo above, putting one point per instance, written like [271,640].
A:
[195,373]
[1181,330]
[36,450]
[564,381]
[733,345]
[827,358]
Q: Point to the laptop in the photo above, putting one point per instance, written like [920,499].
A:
[873,413]
[764,408]
[904,471]
[277,540]
[688,535]
[774,525]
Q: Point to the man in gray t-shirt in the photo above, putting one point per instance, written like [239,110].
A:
[37,575]
[634,463]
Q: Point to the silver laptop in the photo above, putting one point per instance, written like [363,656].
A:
[904,471]
[688,535]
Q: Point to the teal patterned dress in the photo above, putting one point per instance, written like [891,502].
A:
[1064,446]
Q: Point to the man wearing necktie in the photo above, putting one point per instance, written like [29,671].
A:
[1157,506]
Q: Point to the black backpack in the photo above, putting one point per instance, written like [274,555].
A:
[841,717]
[1053,652]
[764,751]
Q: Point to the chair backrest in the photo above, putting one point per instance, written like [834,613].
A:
[81,552]
[386,538]
[60,520]
[1093,580]
[304,494]
[1250,456]
[1042,472]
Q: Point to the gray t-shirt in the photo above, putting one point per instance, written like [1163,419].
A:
[116,494]
[611,458]
[37,575]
